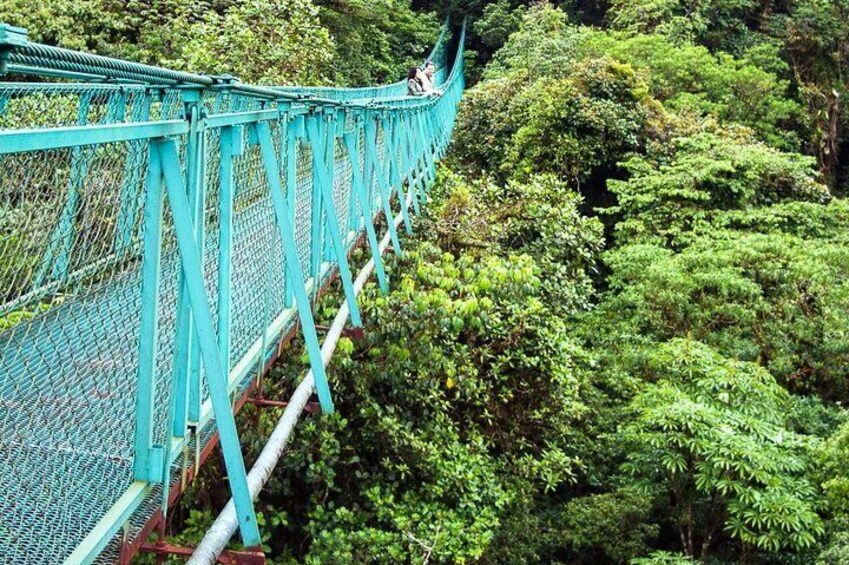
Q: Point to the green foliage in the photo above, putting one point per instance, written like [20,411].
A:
[544,46]
[435,487]
[688,78]
[296,42]
[670,194]
[774,299]
[662,558]
[573,127]
[832,459]
[539,217]
[575,101]
[613,527]
[579,125]
[831,474]
[718,23]
[257,42]
[376,41]
[487,120]
[498,21]
[148,32]
[815,35]
[709,435]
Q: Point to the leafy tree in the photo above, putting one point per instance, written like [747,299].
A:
[273,44]
[579,126]
[149,32]
[487,120]
[571,117]
[608,527]
[539,217]
[544,46]
[673,191]
[350,42]
[771,299]
[744,90]
[832,476]
[708,435]
[717,23]
[816,40]
[375,42]
[498,21]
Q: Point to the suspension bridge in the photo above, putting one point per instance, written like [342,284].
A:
[162,233]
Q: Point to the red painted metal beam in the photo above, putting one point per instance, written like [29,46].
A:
[228,557]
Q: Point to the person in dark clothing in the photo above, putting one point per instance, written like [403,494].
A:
[414,83]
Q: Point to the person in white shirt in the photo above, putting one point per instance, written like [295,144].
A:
[427,79]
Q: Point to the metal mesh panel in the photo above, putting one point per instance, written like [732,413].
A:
[342,186]
[67,346]
[303,205]
[53,105]
[257,254]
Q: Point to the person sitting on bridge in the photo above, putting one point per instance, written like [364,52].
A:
[427,82]
[429,70]
[415,84]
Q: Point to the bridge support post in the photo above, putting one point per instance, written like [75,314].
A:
[390,165]
[376,177]
[313,120]
[325,189]
[418,143]
[299,289]
[192,267]
[352,145]
[148,464]
[230,141]
[294,131]
[186,367]
[424,155]
[405,140]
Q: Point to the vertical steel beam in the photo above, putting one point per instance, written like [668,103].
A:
[325,187]
[404,140]
[147,463]
[376,177]
[390,166]
[192,266]
[185,346]
[230,141]
[198,190]
[290,252]
[419,166]
[317,216]
[291,124]
[352,144]
[328,173]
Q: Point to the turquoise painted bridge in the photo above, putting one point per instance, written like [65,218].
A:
[160,233]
